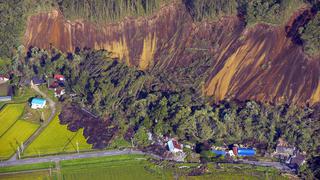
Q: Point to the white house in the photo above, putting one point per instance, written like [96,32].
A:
[174,146]
[38,103]
[59,92]
[3,79]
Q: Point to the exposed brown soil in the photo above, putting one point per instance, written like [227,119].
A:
[263,63]
[98,132]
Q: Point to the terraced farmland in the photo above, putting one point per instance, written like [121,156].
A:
[19,132]
[55,139]
[9,115]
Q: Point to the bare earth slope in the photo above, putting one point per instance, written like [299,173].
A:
[263,62]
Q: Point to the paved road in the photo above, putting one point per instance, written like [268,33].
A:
[277,165]
[58,158]
[52,106]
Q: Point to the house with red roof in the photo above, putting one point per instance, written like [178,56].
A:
[59,77]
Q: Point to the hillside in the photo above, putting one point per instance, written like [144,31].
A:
[260,62]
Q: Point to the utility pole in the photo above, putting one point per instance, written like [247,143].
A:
[132,143]
[22,147]
[18,151]
[77,147]
[42,116]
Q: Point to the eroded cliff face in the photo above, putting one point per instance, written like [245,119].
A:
[261,63]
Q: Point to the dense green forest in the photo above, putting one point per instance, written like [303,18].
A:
[107,10]
[311,36]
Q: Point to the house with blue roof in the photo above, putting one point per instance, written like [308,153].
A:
[38,103]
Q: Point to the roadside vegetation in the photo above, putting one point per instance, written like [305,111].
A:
[27,167]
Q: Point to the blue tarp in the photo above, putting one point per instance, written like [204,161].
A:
[38,101]
[219,152]
[246,152]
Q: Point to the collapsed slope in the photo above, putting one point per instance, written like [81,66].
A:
[263,63]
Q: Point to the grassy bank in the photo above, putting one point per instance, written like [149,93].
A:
[27,167]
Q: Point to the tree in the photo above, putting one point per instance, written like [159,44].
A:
[141,137]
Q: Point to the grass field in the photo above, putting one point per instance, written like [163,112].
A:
[19,132]
[55,139]
[9,114]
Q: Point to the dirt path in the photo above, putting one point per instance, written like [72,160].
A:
[52,106]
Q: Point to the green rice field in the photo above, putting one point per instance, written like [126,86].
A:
[19,132]
[9,114]
[55,139]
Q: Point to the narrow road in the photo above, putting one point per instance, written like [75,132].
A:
[58,158]
[52,106]
[277,165]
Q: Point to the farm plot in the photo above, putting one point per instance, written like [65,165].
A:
[9,115]
[55,139]
[16,134]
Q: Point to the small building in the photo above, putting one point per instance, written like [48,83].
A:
[59,77]
[37,81]
[219,152]
[38,103]
[4,78]
[230,153]
[246,152]
[54,85]
[5,98]
[58,92]
[235,150]
[174,146]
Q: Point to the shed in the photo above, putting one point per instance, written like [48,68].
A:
[38,103]
[5,98]
[246,152]
[219,152]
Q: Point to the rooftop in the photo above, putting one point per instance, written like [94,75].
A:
[38,101]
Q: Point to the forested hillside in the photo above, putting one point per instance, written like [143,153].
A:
[132,103]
